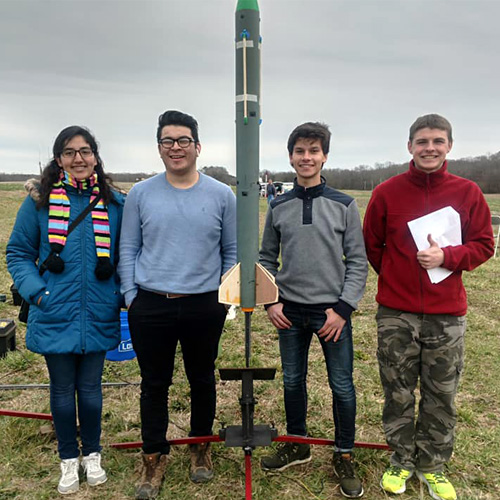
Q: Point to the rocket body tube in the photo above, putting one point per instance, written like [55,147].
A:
[247,283]
[247,47]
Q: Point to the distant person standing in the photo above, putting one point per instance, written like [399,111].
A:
[317,231]
[270,191]
[179,237]
[421,325]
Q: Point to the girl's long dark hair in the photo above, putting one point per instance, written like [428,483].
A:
[52,171]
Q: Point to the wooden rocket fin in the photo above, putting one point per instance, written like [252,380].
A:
[266,291]
[229,289]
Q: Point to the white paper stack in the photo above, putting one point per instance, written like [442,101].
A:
[444,227]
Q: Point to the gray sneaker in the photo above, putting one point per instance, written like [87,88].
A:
[285,455]
[91,465]
[69,482]
[343,465]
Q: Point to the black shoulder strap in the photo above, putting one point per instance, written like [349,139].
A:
[83,214]
[72,226]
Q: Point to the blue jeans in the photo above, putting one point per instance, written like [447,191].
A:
[294,348]
[70,375]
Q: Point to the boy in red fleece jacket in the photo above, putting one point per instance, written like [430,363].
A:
[421,325]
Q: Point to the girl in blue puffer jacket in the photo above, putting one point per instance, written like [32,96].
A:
[70,282]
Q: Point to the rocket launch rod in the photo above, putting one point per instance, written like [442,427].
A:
[248,340]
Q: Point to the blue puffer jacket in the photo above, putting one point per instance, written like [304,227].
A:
[78,313]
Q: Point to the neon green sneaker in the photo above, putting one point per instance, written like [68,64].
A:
[394,479]
[439,487]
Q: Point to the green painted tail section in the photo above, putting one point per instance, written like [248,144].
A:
[247,5]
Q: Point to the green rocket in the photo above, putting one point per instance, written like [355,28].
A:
[247,284]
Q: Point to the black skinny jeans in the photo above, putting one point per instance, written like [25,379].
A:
[156,325]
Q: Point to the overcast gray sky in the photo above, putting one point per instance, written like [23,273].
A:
[368,68]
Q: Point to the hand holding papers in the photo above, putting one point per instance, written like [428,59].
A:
[444,226]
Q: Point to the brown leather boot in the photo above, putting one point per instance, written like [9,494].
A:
[201,463]
[152,474]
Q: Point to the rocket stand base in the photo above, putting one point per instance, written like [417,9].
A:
[262,435]
[235,435]
[247,435]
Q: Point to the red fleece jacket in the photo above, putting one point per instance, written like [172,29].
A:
[402,283]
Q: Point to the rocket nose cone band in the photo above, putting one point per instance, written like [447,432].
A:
[247,5]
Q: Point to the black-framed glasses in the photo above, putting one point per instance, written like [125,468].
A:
[71,153]
[183,142]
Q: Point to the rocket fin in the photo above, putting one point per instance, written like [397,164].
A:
[229,289]
[266,291]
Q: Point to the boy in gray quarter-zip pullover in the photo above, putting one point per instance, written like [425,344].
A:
[323,258]
[322,278]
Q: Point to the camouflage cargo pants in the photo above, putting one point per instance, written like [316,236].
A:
[429,347]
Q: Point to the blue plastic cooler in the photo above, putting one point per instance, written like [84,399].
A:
[125,350]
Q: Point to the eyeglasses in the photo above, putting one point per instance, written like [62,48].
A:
[71,153]
[182,142]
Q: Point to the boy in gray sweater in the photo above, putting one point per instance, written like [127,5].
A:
[321,280]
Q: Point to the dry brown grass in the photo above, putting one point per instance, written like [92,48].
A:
[29,463]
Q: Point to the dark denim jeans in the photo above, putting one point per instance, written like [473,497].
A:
[294,349]
[157,325]
[80,375]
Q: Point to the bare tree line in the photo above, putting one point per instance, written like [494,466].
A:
[484,170]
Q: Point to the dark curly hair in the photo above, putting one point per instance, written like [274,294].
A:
[51,172]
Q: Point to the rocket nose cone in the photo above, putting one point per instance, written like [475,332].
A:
[247,5]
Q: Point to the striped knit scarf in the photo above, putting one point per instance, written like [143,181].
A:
[59,210]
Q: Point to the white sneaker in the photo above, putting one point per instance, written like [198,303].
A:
[92,468]
[69,482]
[231,313]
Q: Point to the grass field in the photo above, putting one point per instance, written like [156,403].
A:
[29,466]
